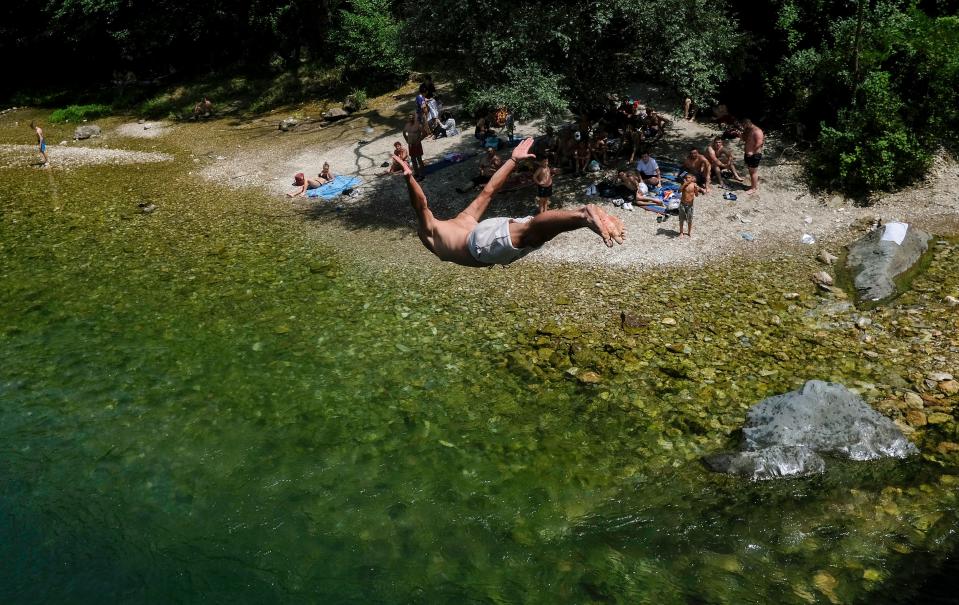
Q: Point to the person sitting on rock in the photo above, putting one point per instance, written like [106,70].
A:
[400,152]
[720,159]
[468,240]
[697,165]
[304,184]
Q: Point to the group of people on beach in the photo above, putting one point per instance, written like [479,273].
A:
[624,128]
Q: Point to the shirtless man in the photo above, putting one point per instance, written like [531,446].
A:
[721,159]
[655,124]
[543,177]
[413,133]
[488,166]
[547,145]
[400,152]
[753,139]
[41,142]
[581,154]
[697,165]
[203,109]
[468,240]
[599,147]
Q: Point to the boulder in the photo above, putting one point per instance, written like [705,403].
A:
[875,262]
[786,435]
[288,124]
[86,131]
[770,463]
[335,114]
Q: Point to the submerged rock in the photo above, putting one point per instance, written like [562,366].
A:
[876,262]
[785,434]
[770,463]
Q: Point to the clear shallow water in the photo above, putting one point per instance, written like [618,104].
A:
[203,404]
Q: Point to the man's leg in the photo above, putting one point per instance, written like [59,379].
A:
[753,179]
[718,170]
[544,227]
[543,202]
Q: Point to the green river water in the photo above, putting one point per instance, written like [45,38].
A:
[216,403]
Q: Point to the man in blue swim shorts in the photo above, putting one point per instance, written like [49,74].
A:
[467,239]
[41,142]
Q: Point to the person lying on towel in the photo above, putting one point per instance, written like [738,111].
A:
[304,184]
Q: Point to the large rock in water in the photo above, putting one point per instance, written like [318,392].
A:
[785,434]
[875,261]
[86,131]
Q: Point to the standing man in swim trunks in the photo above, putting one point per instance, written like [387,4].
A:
[41,142]
[468,240]
[413,133]
[543,177]
[754,139]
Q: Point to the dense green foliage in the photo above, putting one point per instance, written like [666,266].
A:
[877,92]
[541,56]
[79,113]
[368,44]
[870,84]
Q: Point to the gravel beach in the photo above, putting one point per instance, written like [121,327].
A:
[773,220]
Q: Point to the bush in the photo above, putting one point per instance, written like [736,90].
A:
[79,113]
[158,107]
[871,148]
[359,98]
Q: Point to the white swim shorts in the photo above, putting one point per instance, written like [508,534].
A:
[490,243]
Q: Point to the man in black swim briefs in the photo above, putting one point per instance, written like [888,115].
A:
[753,140]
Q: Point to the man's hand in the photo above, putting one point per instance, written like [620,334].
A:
[522,151]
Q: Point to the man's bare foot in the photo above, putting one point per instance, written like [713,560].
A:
[750,191]
[406,167]
[596,220]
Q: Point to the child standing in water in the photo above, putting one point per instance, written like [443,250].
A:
[41,142]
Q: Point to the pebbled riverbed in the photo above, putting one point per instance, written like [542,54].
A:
[227,399]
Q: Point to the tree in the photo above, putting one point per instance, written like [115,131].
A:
[368,39]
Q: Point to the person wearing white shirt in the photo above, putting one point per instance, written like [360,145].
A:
[648,170]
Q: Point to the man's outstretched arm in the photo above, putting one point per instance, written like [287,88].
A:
[478,206]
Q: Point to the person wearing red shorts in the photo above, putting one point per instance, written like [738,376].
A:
[414,134]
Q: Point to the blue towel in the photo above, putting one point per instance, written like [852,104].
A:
[335,187]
